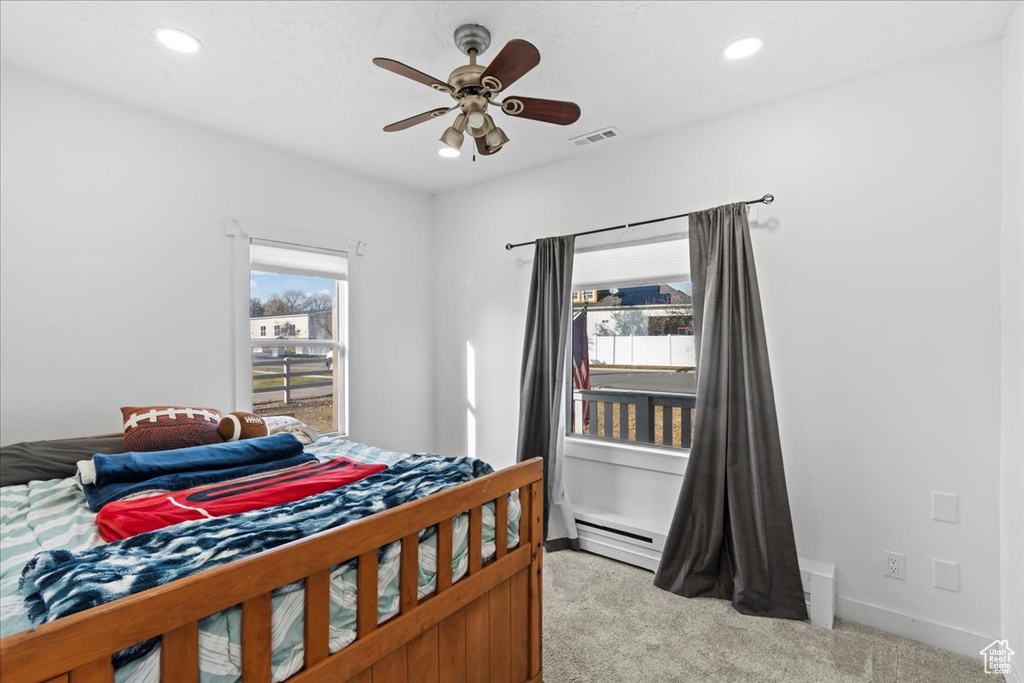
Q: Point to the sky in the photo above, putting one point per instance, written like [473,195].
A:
[264,285]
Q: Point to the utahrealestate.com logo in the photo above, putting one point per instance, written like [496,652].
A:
[997,657]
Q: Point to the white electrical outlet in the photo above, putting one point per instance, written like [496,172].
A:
[895,565]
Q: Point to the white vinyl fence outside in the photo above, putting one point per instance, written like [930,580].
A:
[670,350]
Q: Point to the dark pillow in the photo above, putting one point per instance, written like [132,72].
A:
[21,463]
[162,428]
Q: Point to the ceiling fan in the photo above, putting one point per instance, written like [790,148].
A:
[474,87]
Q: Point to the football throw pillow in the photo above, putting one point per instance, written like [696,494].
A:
[161,428]
[235,426]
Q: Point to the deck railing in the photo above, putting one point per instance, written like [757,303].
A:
[288,385]
[634,416]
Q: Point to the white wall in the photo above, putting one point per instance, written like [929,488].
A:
[1011,469]
[115,272]
[884,236]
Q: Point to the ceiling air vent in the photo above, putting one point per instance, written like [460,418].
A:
[602,135]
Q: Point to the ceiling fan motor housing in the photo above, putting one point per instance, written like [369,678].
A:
[467,76]
[472,37]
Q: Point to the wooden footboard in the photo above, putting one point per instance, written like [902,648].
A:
[485,627]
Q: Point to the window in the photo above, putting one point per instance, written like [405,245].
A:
[632,356]
[301,293]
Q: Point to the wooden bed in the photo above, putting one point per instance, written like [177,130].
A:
[484,627]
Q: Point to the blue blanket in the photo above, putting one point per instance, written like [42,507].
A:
[127,474]
[58,583]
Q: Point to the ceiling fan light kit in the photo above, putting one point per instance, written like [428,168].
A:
[453,136]
[496,139]
[475,86]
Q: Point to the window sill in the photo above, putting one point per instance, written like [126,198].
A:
[628,455]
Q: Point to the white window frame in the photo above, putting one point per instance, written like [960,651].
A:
[644,456]
[242,341]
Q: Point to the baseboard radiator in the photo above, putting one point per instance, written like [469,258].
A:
[619,540]
[640,547]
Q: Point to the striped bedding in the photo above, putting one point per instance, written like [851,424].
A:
[47,515]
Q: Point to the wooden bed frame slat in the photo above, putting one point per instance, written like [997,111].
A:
[96,671]
[478,652]
[179,654]
[317,617]
[486,626]
[476,538]
[409,581]
[499,629]
[256,639]
[444,555]
[423,656]
[524,520]
[366,595]
[451,648]
[519,633]
[500,527]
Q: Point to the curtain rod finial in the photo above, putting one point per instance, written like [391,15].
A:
[508,246]
[768,199]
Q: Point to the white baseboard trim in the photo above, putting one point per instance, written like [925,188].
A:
[928,632]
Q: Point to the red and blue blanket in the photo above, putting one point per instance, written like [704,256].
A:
[127,518]
[140,492]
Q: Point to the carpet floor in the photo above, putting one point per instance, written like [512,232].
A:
[604,621]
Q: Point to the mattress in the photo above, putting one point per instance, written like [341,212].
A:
[47,515]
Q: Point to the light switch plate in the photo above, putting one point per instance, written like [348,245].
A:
[946,575]
[946,507]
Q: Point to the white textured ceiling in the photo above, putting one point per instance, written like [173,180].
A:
[298,76]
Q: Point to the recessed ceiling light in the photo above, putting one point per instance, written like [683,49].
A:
[177,40]
[744,47]
[448,152]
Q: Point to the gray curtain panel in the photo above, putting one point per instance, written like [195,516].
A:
[732,534]
[541,402]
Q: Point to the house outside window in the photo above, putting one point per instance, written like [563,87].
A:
[588,296]
[263,330]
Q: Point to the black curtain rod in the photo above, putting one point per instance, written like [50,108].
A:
[767,199]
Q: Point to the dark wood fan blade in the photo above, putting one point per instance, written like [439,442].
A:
[413,120]
[409,72]
[481,147]
[511,64]
[549,111]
